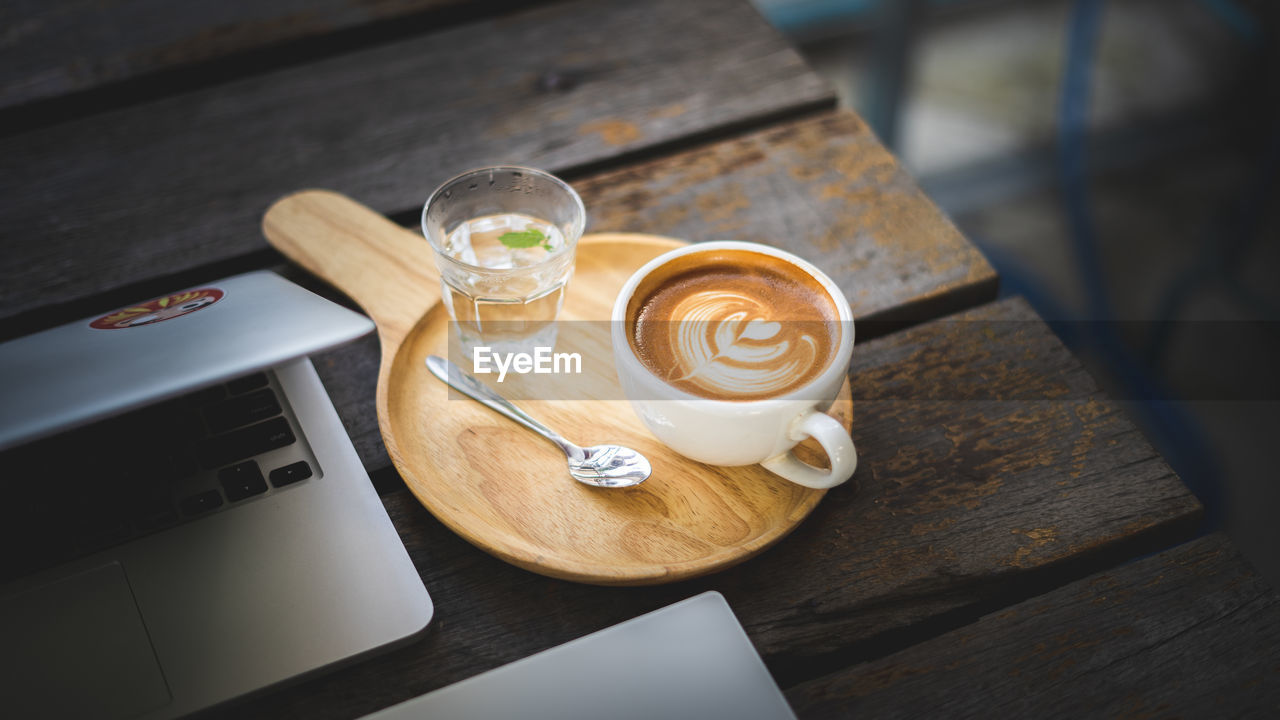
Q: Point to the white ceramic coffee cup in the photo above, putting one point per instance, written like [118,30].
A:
[724,432]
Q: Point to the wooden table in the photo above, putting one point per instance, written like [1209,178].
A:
[979,561]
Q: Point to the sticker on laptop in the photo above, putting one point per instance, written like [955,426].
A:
[163,308]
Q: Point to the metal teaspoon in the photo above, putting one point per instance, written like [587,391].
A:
[607,466]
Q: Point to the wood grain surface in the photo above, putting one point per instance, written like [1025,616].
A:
[823,188]
[181,182]
[1191,632]
[498,485]
[55,48]
[991,468]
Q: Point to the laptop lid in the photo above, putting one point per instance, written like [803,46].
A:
[133,356]
[688,660]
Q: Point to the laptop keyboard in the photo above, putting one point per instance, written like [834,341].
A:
[149,470]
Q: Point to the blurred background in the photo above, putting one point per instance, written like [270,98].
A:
[1116,161]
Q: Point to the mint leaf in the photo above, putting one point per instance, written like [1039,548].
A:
[525,239]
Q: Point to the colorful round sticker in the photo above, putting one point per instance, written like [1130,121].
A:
[164,308]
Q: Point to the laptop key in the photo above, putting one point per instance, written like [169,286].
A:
[247,383]
[201,502]
[242,481]
[180,461]
[101,531]
[290,474]
[205,396]
[152,504]
[155,517]
[242,410]
[246,442]
[186,426]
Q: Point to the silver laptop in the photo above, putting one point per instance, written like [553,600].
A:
[184,518]
[690,660]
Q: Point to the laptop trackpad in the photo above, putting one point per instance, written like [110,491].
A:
[79,649]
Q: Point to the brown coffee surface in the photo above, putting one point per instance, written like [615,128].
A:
[733,325]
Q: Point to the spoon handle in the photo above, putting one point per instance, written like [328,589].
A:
[454,377]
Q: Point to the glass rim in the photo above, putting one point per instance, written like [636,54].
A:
[571,245]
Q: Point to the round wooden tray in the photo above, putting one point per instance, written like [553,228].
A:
[506,490]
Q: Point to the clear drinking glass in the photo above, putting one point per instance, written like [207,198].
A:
[504,240]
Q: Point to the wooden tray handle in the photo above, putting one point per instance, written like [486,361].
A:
[385,268]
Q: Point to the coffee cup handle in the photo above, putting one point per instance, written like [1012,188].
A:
[835,441]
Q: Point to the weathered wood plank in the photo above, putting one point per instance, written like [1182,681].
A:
[823,188]
[170,185]
[1191,632]
[991,467]
[54,48]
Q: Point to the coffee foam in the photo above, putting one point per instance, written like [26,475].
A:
[733,325]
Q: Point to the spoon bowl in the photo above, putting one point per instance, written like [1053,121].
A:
[610,466]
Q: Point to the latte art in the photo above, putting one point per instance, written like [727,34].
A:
[739,326]
[725,344]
